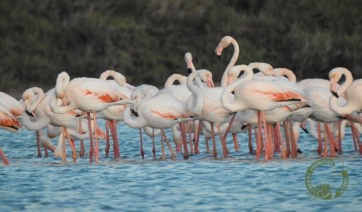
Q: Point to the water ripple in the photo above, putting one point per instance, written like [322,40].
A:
[201,183]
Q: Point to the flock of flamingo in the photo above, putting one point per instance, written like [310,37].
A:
[260,104]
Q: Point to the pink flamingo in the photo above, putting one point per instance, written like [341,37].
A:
[259,95]
[162,111]
[87,94]
[10,123]
[38,115]
[319,101]
[114,113]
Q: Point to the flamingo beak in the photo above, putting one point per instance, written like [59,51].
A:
[272,74]
[332,87]
[303,125]
[189,66]
[210,83]
[218,51]
[230,80]
[178,148]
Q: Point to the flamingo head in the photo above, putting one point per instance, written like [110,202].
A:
[303,125]
[188,59]
[206,76]
[224,42]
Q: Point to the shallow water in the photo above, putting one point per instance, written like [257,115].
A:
[201,183]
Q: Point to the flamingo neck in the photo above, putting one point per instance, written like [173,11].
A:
[234,58]
[39,123]
[175,77]
[312,131]
[348,81]
[233,106]
[61,83]
[198,104]
[138,122]
[33,105]
[53,104]
[288,73]
[118,77]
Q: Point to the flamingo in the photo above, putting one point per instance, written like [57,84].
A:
[225,42]
[10,123]
[140,94]
[10,109]
[114,113]
[87,94]
[205,103]
[273,116]
[44,116]
[319,101]
[162,111]
[259,95]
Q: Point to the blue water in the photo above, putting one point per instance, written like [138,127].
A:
[201,183]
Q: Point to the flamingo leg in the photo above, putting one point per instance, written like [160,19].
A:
[236,144]
[258,138]
[117,153]
[357,138]
[271,143]
[325,153]
[173,155]
[223,142]
[354,137]
[153,143]
[96,150]
[293,141]
[287,138]
[276,139]
[183,135]
[191,143]
[227,132]
[71,143]
[339,137]
[214,152]
[284,152]
[46,154]
[250,133]
[319,138]
[38,143]
[207,145]
[163,156]
[91,148]
[64,154]
[108,146]
[6,161]
[197,136]
[266,137]
[331,140]
[81,143]
[141,145]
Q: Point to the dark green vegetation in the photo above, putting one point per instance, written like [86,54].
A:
[146,40]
